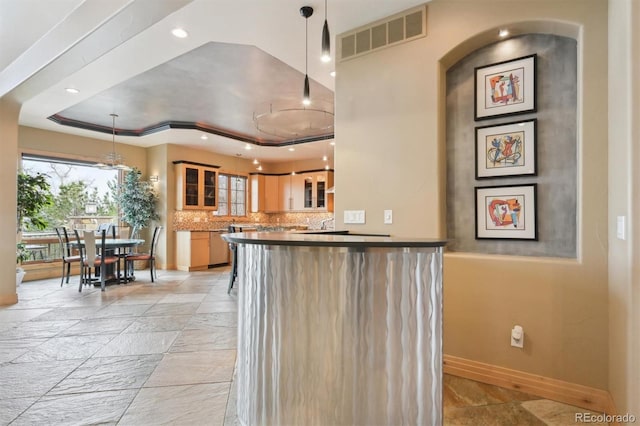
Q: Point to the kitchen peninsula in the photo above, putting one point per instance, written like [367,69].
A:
[338,329]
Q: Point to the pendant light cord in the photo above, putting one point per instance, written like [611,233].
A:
[113,138]
[306,45]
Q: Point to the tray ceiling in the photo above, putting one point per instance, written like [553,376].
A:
[219,88]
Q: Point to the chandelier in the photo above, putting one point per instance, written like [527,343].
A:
[112,160]
[287,119]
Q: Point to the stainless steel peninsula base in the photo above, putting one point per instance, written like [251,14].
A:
[338,330]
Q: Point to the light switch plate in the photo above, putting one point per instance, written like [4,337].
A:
[354,216]
[388,217]
[620,228]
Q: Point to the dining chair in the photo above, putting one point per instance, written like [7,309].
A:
[234,260]
[125,233]
[94,258]
[65,252]
[151,256]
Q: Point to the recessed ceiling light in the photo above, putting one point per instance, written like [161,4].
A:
[292,149]
[326,167]
[72,90]
[204,137]
[324,158]
[503,33]
[332,73]
[247,147]
[332,143]
[255,161]
[180,33]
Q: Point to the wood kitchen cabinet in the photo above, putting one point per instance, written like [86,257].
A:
[192,250]
[314,192]
[291,188]
[292,192]
[267,192]
[198,250]
[218,249]
[197,186]
[271,194]
[257,185]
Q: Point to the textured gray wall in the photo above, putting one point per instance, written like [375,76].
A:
[556,147]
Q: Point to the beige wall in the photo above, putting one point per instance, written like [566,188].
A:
[624,200]
[9,112]
[32,140]
[156,160]
[389,144]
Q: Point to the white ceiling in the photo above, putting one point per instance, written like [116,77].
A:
[93,45]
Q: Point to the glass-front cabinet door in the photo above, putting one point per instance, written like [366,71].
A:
[308,192]
[320,192]
[191,186]
[210,188]
[315,190]
[197,186]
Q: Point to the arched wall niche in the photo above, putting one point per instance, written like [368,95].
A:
[556,45]
[485,38]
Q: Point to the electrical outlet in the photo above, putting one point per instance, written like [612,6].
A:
[517,337]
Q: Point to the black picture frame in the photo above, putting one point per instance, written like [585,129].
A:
[506,212]
[506,150]
[505,88]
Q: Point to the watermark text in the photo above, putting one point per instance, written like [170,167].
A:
[604,418]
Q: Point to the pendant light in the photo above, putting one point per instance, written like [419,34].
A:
[113,160]
[326,38]
[306,12]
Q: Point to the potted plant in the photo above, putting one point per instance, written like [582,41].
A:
[34,193]
[22,254]
[137,199]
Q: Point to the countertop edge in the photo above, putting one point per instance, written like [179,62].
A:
[324,240]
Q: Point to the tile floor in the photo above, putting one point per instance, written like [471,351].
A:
[164,353]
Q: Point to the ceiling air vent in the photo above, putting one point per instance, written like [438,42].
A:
[405,26]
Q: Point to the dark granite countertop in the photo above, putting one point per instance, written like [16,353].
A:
[327,240]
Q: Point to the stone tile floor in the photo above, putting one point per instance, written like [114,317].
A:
[164,353]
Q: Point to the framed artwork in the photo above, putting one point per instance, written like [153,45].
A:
[505,88]
[506,150]
[506,212]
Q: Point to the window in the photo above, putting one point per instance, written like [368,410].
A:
[83,198]
[81,192]
[232,195]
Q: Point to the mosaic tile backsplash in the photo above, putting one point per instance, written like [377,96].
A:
[200,220]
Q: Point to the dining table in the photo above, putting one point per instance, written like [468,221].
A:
[117,247]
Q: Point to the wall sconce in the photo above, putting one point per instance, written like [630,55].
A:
[153,178]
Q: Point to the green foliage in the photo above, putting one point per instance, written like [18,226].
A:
[34,194]
[108,205]
[73,197]
[137,200]
[22,253]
